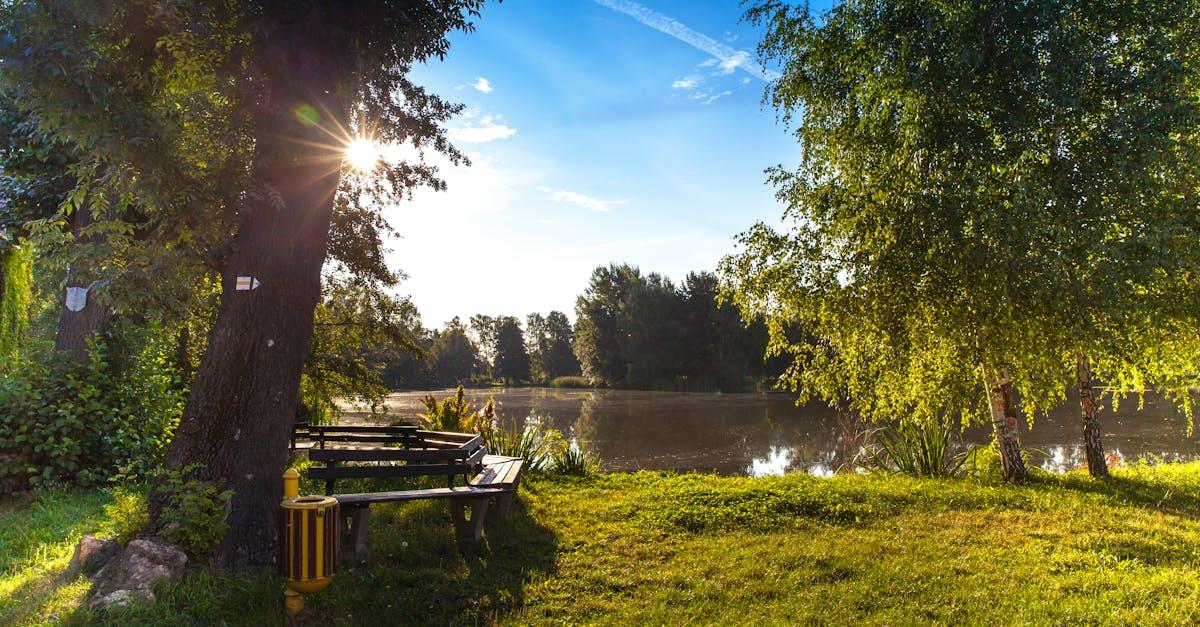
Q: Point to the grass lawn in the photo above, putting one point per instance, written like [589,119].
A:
[651,548]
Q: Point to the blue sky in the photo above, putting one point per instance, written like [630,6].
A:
[596,137]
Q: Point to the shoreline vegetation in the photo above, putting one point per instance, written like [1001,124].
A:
[661,548]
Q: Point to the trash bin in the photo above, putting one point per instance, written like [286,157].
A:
[308,541]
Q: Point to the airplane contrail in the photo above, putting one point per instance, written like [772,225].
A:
[729,57]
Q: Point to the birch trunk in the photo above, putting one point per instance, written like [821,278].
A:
[1092,443]
[1004,424]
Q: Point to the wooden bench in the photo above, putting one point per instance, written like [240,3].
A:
[419,453]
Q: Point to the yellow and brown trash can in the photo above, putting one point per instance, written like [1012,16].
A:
[308,541]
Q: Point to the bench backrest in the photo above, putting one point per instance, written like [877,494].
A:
[388,452]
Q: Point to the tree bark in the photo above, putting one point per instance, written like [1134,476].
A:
[243,397]
[1097,464]
[1004,424]
[76,328]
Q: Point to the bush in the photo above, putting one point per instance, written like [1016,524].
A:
[67,423]
[195,512]
[571,382]
[454,413]
[128,513]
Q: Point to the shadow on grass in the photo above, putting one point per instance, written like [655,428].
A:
[1176,498]
[417,574]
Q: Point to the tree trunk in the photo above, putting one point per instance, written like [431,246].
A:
[243,397]
[1097,465]
[1004,424]
[76,328]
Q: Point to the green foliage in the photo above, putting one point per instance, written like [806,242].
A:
[453,413]
[453,357]
[549,339]
[353,322]
[571,382]
[63,422]
[533,440]
[193,517]
[16,290]
[642,332]
[128,513]
[981,188]
[572,459]
[917,448]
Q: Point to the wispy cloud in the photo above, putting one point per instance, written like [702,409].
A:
[687,82]
[481,129]
[728,57]
[482,84]
[581,200]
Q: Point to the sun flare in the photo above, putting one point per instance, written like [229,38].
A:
[362,154]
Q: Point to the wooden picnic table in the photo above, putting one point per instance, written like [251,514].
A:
[380,452]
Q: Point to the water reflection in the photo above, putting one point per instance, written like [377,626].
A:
[766,434]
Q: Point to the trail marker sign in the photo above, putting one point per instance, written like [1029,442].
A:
[245,283]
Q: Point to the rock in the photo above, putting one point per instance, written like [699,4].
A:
[91,554]
[132,575]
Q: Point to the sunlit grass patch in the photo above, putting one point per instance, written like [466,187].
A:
[657,548]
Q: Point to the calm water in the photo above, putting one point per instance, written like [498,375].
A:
[762,434]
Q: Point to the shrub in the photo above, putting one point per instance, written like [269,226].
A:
[128,513]
[918,448]
[571,382]
[454,413]
[194,513]
[67,423]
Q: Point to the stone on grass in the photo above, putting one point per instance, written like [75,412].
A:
[132,575]
[91,554]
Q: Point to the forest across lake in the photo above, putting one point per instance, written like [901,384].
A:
[759,434]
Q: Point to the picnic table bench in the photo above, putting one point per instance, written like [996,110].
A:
[408,451]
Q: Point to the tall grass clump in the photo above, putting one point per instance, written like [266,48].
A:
[571,382]
[572,459]
[921,448]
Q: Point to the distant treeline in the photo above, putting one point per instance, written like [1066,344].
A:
[632,330]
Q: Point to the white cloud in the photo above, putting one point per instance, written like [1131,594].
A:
[482,85]
[727,55]
[707,98]
[480,130]
[737,60]
[687,82]
[581,200]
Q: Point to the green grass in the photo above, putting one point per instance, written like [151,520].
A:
[651,548]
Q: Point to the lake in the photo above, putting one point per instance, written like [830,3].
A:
[767,434]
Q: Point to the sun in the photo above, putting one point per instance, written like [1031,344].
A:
[362,154]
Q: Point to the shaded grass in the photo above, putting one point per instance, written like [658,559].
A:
[668,549]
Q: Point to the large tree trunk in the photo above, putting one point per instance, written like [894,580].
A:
[243,397]
[76,328]
[1097,465]
[1004,424]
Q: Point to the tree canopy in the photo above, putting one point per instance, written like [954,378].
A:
[984,194]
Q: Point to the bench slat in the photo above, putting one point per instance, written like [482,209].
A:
[490,460]
[413,495]
[380,439]
[383,472]
[503,475]
[395,429]
[514,472]
[386,454]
